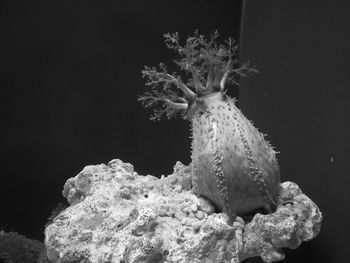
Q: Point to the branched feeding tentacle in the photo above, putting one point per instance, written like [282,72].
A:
[209,67]
[167,101]
[232,164]
[196,81]
[155,77]
[210,78]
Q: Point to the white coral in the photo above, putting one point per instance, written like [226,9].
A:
[117,215]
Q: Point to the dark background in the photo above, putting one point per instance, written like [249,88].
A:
[71,76]
[301,100]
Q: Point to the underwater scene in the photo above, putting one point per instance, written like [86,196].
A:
[174,131]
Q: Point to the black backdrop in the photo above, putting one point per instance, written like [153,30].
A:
[301,100]
[71,76]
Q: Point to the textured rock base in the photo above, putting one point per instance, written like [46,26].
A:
[116,215]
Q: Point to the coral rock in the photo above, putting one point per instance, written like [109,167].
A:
[116,215]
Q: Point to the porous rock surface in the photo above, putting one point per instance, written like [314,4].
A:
[116,215]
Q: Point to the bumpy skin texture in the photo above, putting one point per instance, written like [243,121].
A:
[233,165]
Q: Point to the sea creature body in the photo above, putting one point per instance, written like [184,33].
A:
[233,165]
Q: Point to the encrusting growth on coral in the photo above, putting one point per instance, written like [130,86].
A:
[233,166]
[17,248]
